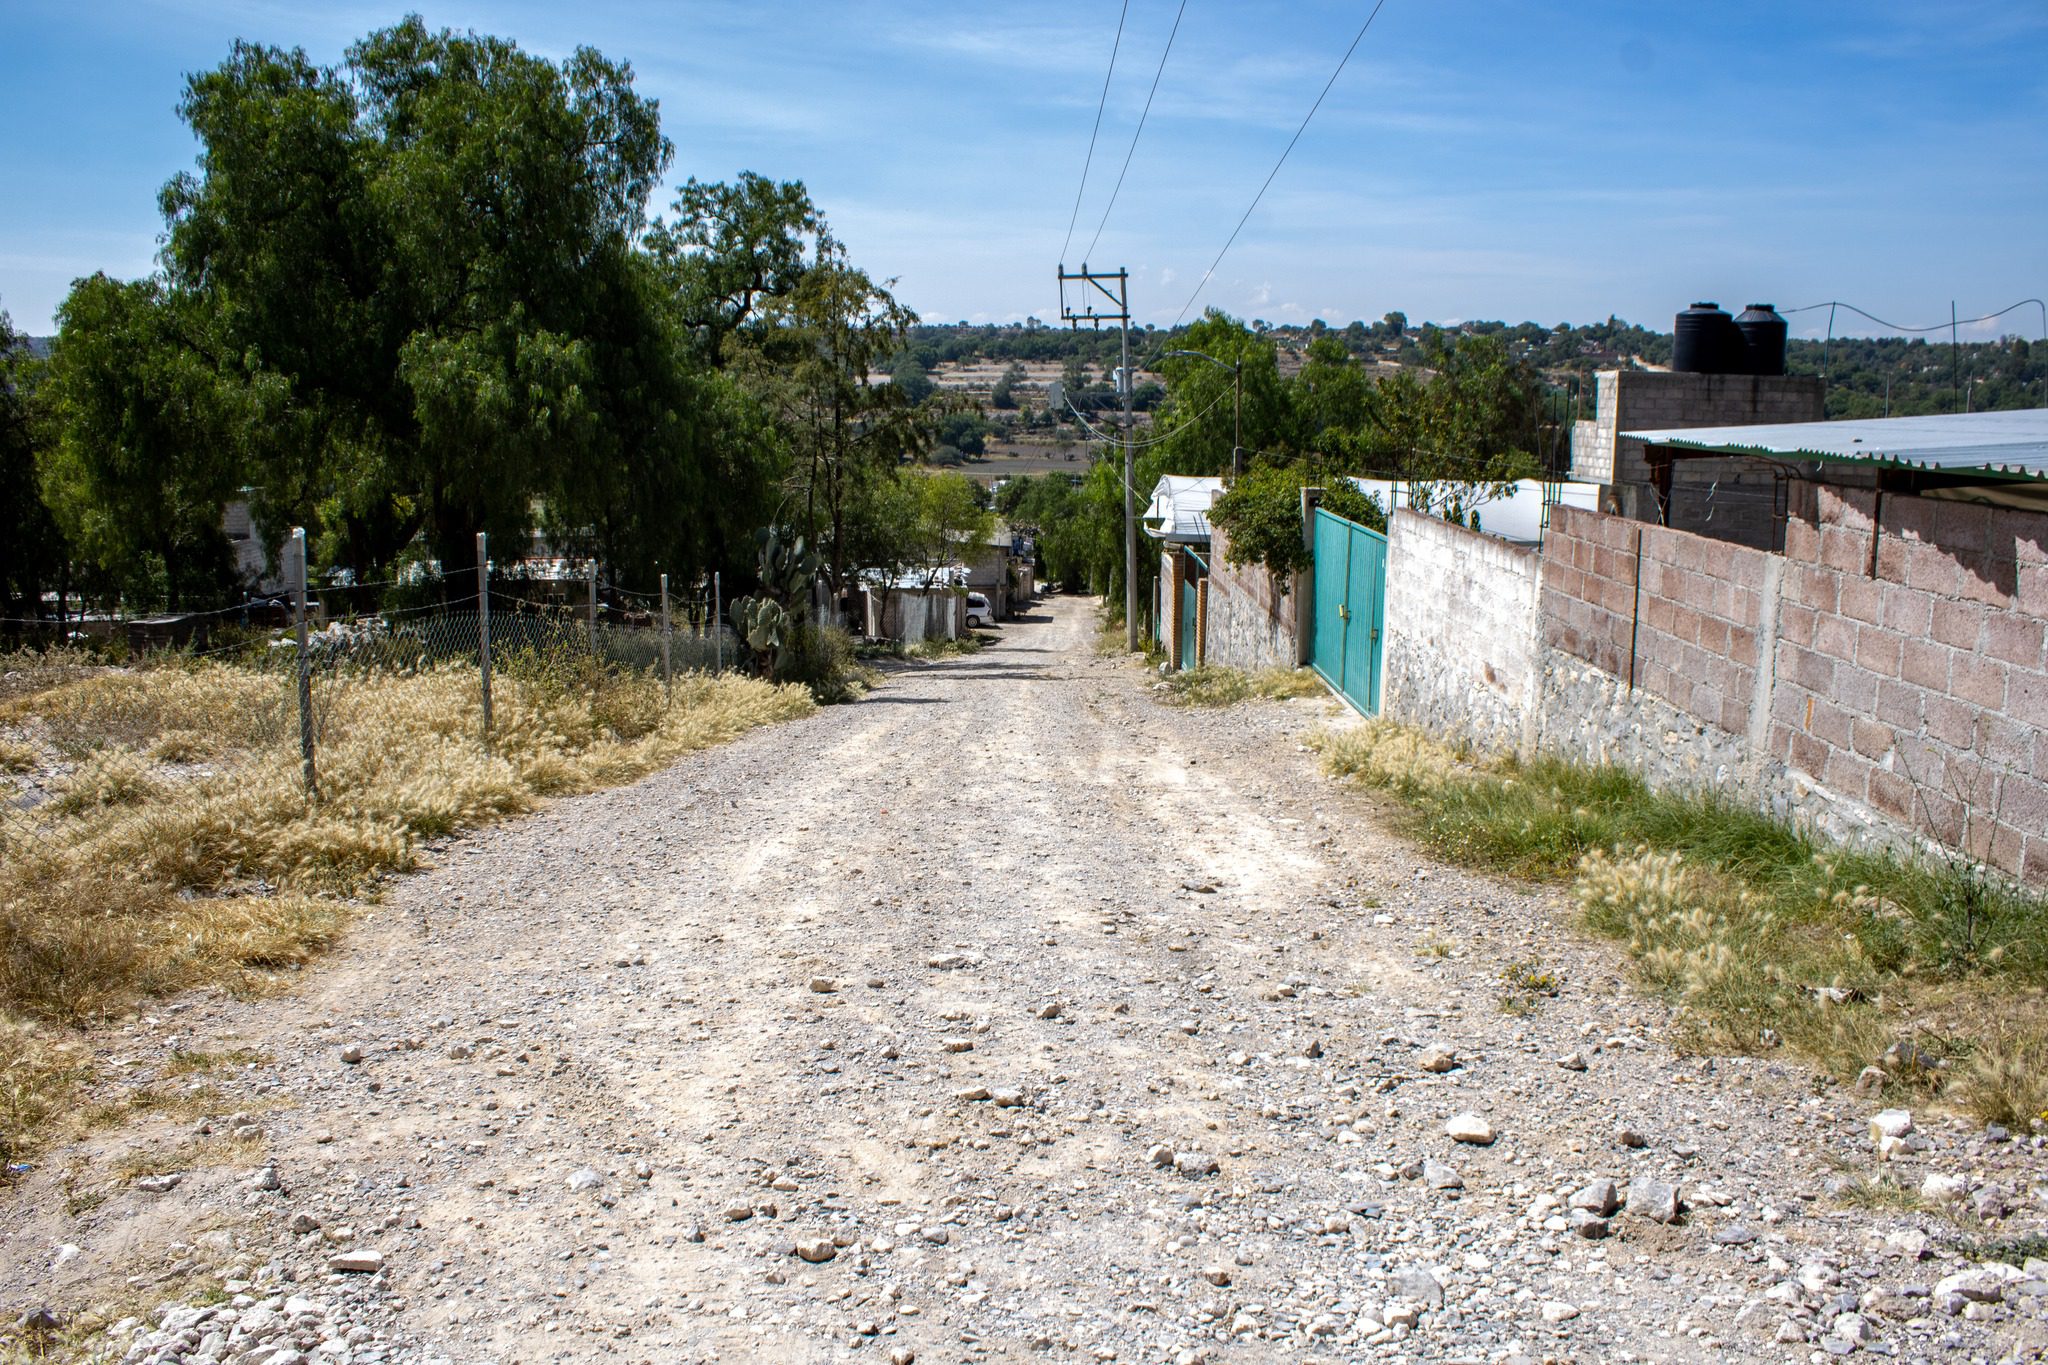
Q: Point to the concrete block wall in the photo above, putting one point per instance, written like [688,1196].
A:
[1700,609]
[1913,666]
[1885,679]
[1251,623]
[1461,648]
[1588,596]
[1169,607]
[1731,500]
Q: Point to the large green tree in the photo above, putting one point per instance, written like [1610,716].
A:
[1198,422]
[32,551]
[812,361]
[409,258]
[144,449]
[732,248]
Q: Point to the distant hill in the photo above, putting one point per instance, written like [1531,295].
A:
[1866,377]
[39,347]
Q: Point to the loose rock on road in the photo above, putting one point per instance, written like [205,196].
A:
[1007,1015]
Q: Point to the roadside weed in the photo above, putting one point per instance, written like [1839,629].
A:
[1759,934]
[1211,685]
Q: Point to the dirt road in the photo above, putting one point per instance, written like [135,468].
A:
[1005,1015]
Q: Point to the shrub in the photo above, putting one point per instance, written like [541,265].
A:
[1261,513]
[1212,685]
[1758,935]
[821,658]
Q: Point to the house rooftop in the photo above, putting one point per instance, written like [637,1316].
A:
[1179,513]
[1997,445]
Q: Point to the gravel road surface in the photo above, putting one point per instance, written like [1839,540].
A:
[1006,1015]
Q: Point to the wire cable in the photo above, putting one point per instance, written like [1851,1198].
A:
[1938,327]
[1134,137]
[1204,281]
[1075,216]
[1161,439]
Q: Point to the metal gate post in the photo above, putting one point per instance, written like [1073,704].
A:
[483,625]
[667,678]
[298,549]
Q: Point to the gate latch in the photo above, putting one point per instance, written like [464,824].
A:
[1343,612]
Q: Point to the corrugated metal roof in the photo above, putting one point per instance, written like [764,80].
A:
[1180,508]
[1996,444]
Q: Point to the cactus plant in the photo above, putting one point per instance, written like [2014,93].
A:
[765,626]
[786,569]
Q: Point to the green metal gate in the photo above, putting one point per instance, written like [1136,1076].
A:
[1350,608]
[1187,623]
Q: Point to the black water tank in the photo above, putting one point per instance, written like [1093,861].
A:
[1705,342]
[1763,333]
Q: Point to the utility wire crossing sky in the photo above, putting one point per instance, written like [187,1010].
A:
[1548,162]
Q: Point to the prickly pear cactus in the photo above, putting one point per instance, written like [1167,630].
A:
[786,568]
[764,625]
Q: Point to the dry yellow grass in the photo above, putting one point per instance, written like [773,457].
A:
[182,849]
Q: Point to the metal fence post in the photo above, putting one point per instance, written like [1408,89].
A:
[667,677]
[483,625]
[298,546]
[590,579]
[717,630]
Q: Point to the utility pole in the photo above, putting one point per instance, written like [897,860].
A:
[1097,280]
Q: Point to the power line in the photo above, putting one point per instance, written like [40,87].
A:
[1135,136]
[1088,161]
[1160,439]
[1203,283]
[1937,327]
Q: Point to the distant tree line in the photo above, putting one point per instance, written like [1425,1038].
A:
[1922,375]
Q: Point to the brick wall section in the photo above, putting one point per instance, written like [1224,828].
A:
[1896,655]
[1251,623]
[1170,575]
[1701,616]
[1680,614]
[1920,688]
[1588,598]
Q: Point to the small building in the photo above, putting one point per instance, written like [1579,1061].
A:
[1726,499]
[1002,568]
[1178,518]
[913,608]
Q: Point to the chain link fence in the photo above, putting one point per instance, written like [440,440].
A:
[266,694]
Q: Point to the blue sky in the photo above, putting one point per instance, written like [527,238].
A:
[1477,159]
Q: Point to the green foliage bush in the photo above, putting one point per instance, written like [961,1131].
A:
[822,659]
[1759,933]
[1261,513]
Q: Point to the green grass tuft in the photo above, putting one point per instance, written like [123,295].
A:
[1758,932]
[1213,685]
